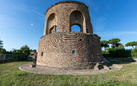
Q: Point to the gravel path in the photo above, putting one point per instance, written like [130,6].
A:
[56,71]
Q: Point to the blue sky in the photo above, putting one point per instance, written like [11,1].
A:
[22,21]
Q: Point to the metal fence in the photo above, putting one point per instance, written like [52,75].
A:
[12,57]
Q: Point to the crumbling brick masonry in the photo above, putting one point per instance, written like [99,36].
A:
[62,48]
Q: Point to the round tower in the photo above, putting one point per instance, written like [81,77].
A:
[62,48]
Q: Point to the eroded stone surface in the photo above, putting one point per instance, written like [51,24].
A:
[61,48]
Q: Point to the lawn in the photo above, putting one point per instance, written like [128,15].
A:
[10,75]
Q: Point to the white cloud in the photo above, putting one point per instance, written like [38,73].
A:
[31,24]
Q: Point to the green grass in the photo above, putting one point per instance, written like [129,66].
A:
[10,75]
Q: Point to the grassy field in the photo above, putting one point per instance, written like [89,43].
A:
[10,75]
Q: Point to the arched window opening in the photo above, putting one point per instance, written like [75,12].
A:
[53,29]
[51,22]
[75,28]
[76,19]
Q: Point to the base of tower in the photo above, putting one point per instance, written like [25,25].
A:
[57,71]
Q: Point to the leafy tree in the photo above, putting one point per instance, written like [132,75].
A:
[134,52]
[104,44]
[133,44]
[17,51]
[25,50]
[114,41]
[3,51]
[34,50]
[119,45]
[107,49]
[1,44]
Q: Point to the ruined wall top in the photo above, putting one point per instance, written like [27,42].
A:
[61,16]
[66,2]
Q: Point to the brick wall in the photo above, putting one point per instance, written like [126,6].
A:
[66,49]
[57,49]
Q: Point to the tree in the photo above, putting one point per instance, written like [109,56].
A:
[119,45]
[133,44]
[114,41]
[1,44]
[17,51]
[34,50]
[25,50]
[134,52]
[3,51]
[104,44]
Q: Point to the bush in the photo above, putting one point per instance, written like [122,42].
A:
[134,53]
[105,53]
[117,52]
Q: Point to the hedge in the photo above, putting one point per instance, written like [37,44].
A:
[117,52]
[134,52]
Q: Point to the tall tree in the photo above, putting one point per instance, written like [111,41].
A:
[133,44]
[17,51]
[3,51]
[119,45]
[104,44]
[25,50]
[114,41]
[1,44]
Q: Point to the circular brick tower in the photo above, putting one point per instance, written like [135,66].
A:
[62,48]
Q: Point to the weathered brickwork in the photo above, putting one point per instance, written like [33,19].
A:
[62,48]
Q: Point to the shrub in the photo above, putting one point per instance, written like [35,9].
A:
[105,53]
[134,52]
[118,52]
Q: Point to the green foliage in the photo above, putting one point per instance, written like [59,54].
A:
[134,52]
[2,51]
[117,45]
[104,43]
[120,45]
[34,50]
[1,44]
[114,41]
[17,51]
[25,50]
[117,52]
[134,43]
[105,53]
[107,49]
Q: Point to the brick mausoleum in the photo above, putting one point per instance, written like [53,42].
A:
[59,47]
